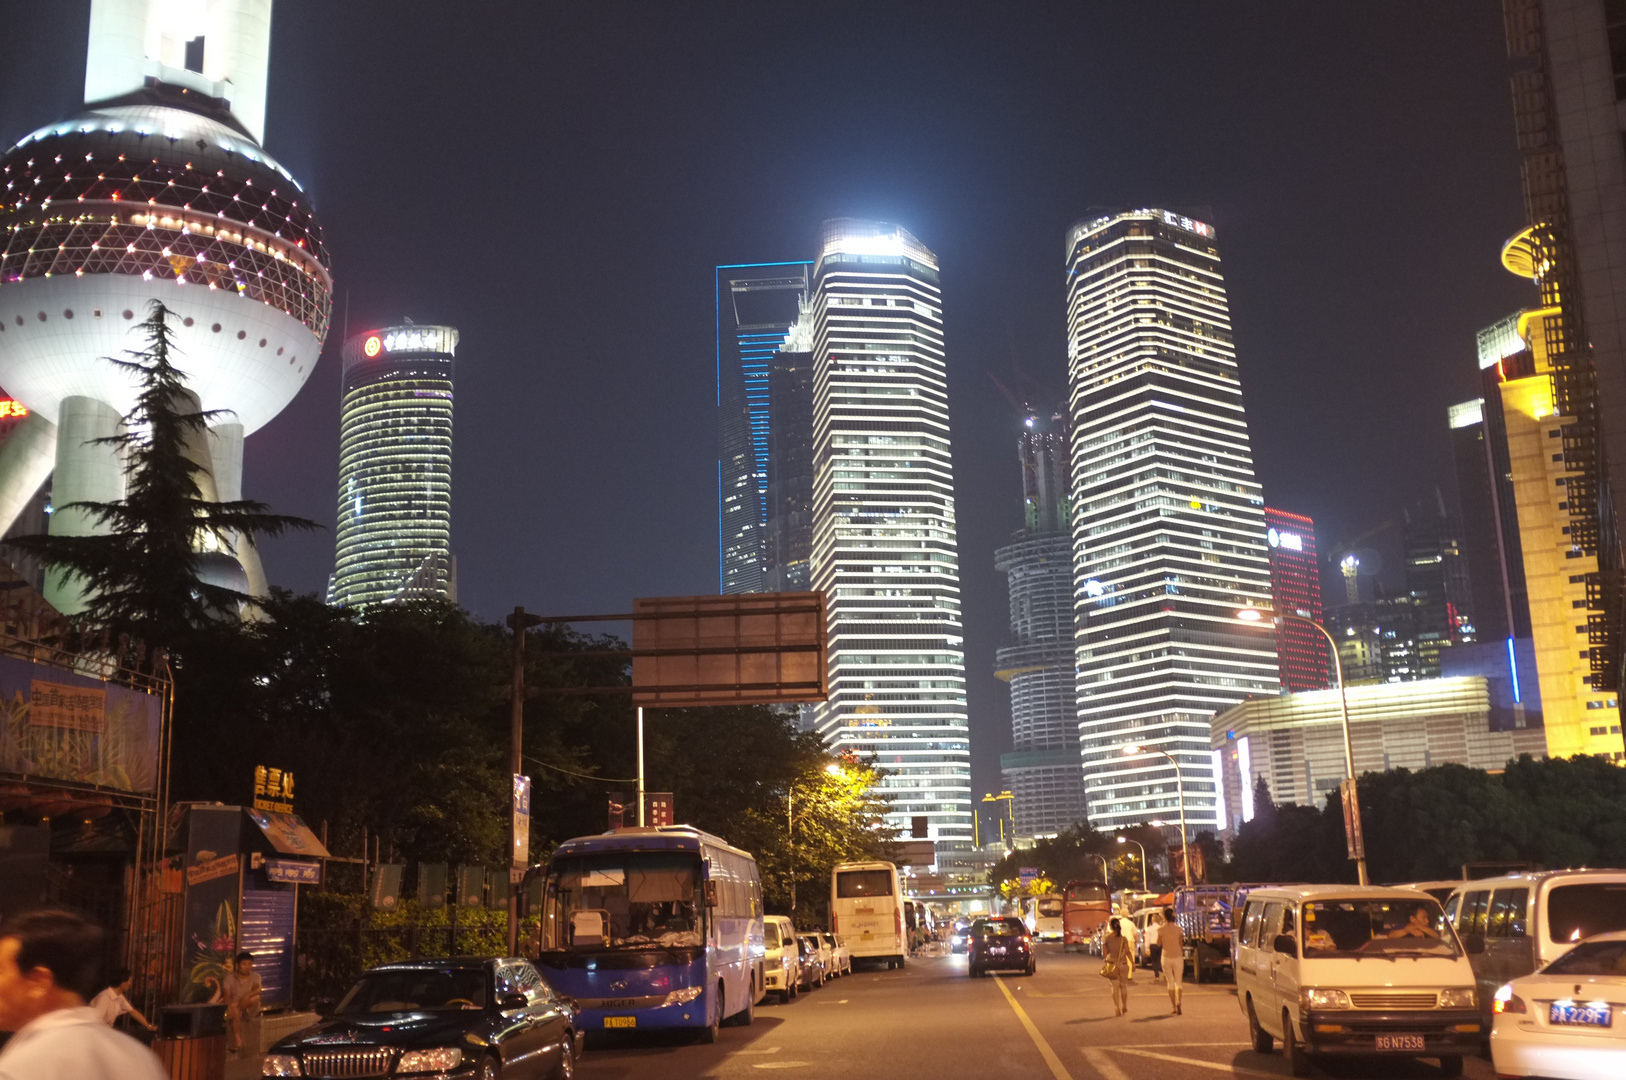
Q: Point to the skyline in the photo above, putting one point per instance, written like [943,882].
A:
[591,416]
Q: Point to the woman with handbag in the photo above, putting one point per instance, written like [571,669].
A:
[1118,965]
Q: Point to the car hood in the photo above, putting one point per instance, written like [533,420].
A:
[386,1029]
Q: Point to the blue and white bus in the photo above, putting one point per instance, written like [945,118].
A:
[654,928]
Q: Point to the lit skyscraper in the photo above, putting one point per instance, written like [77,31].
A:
[756,305]
[1043,772]
[884,550]
[1168,522]
[395,467]
[1295,582]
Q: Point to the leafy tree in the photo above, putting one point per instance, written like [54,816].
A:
[142,575]
[1076,854]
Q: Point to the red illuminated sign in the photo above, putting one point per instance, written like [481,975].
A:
[373,345]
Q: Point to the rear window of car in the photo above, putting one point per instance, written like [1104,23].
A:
[1009,925]
[853,884]
[1585,908]
[1591,958]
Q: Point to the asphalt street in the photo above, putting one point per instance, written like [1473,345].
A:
[931,1020]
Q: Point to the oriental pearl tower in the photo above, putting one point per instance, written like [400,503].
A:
[158,190]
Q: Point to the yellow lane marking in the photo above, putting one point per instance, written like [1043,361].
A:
[1236,1070]
[1057,1069]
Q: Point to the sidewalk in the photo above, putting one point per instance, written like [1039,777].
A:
[243,1068]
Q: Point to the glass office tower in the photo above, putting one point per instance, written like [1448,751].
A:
[1168,522]
[1295,582]
[884,550]
[395,467]
[757,303]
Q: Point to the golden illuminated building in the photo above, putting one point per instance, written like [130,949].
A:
[1578,719]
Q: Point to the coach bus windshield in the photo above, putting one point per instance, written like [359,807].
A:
[622,900]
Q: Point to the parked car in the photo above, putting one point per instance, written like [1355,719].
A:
[1311,971]
[466,1017]
[1512,925]
[1565,1021]
[841,957]
[781,957]
[960,936]
[1001,943]
[815,961]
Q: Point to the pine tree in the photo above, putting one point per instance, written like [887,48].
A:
[142,574]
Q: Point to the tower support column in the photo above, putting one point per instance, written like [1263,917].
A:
[86,471]
[26,460]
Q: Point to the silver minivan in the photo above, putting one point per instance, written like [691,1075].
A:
[1512,925]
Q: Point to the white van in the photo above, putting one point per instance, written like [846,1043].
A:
[1350,969]
[1514,924]
[866,908]
[781,962]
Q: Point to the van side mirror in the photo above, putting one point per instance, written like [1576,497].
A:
[1474,944]
[1285,943]
[711,894]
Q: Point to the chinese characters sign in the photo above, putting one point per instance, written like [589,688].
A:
[273,789]
[58,724]
[521,854]
[77,708]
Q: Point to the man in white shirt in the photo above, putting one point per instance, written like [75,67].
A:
[49,963]
[112,1003]
[1173,943]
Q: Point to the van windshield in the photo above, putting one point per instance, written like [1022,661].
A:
[770,935]
[1377,928]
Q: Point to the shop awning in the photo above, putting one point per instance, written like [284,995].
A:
[288,834]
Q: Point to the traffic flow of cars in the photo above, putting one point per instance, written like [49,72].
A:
[663,928]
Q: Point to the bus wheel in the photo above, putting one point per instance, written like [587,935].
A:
[744,1017]
[708,1034]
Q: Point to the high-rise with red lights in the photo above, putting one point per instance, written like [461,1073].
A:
[1295,582]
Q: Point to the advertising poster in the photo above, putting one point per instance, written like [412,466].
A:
[213,884]
[64,726]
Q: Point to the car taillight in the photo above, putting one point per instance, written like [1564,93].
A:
[1508,1002]
[897,915]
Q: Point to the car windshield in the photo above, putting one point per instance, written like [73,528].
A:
[416,990]
[996,927]
[1591,958]
[1376,928]
[623,900]
[1579,911]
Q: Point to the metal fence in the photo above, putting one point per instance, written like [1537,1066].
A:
[328,960]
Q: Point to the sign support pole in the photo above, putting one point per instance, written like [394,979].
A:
[519,622]
[641,821]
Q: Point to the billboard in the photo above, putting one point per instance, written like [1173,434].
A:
[743,649]
[59,725]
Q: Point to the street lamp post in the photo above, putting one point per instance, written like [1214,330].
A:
[1106,877]
[1252,614]
[1134,750]
[1144,880]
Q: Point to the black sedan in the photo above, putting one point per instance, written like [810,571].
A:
[466,1018]
[1001,944]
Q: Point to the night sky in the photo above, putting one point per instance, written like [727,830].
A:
[558,180]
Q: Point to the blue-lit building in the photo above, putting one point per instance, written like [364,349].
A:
[757,303]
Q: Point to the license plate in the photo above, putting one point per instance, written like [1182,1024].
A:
[998,950]
[620,1021]
[1400,1042]
[1582,1015]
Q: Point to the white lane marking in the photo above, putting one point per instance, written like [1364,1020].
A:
[781,1065]
[1105,1066]
[769,1050]
[1218,1066]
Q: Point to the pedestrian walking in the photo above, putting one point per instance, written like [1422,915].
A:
[1118,964]
[50,968]
[112,1003]
[1173,943]
[241,990]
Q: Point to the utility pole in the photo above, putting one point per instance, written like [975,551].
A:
[519,622]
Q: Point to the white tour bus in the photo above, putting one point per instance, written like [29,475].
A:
[866,908]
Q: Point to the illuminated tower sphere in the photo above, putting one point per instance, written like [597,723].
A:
[159,190]
[395,467]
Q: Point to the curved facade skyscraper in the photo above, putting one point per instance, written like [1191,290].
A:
[1168,520]
[884,549]
[395,467]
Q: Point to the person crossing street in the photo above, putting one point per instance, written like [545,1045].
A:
[1172,944]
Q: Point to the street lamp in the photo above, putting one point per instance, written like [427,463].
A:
[1253,615]
[832,769]
[1134,750]
[1143,879]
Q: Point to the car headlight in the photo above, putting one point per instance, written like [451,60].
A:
[280,1065]
[1325,999]
[684,996]
[1506,1001]
[1459,997]
[438,1060]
